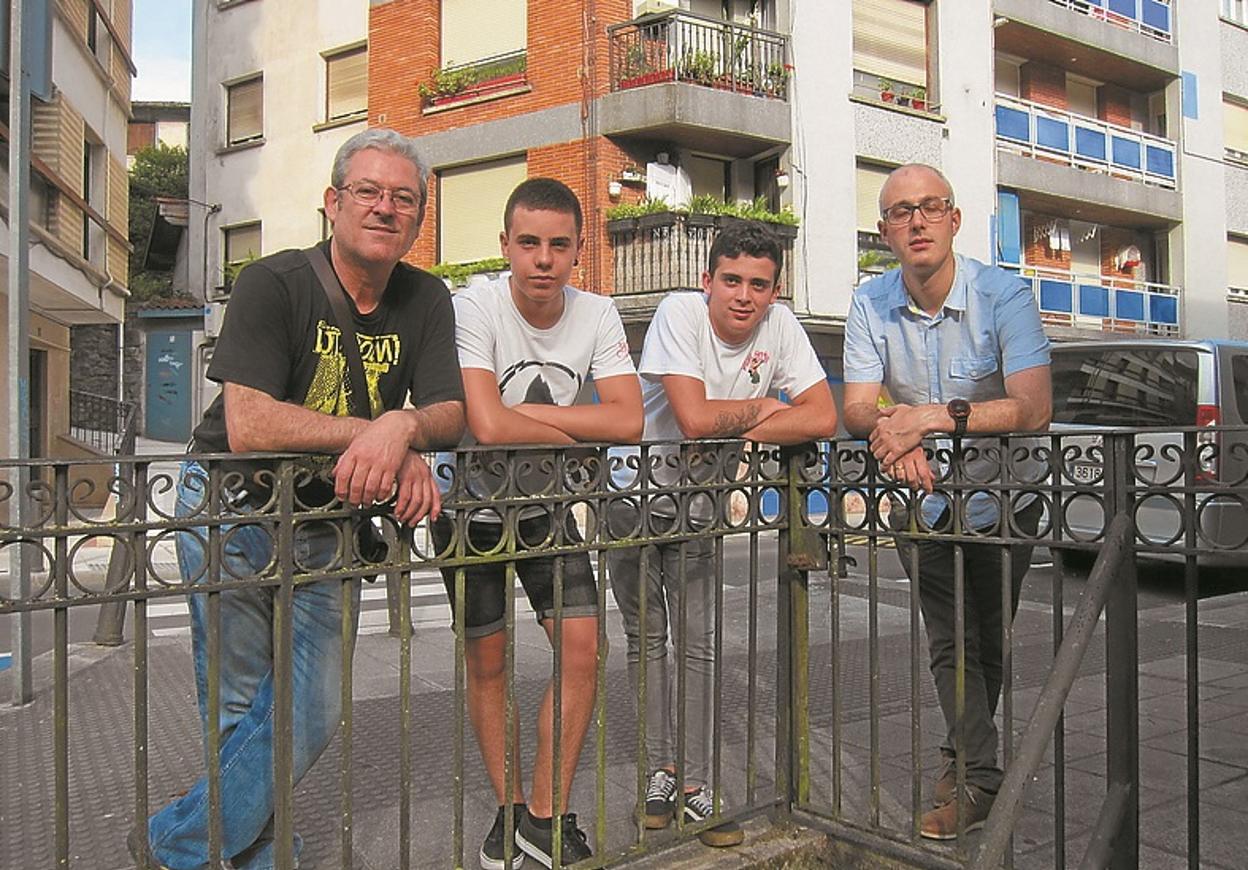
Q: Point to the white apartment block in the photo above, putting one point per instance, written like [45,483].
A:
[79,204]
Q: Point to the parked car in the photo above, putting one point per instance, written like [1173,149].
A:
[1161,383]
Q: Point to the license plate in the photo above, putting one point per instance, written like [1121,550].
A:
[1081,472]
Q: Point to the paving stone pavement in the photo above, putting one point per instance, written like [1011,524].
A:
[101,767]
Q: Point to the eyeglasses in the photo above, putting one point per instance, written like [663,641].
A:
[368,195]
[934,208]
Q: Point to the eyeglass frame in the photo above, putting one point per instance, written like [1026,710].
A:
[911,209]
[383,191]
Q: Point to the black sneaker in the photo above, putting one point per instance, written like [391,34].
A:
[537,842]
[492,849]
[660,799]
[700,806]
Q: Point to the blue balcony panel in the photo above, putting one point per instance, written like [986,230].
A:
[1093,300]
[1163,309]
[1125,8]
[1090,144]
[1160,161]
[1013,124]
[1128,304]
[1126,153]
[1156,15]
[1052,134]
[1056,296]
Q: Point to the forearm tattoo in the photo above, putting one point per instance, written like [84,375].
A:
[732,423]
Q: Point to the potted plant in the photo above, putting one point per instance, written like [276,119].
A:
[887,92]
[918,98]
[703,210]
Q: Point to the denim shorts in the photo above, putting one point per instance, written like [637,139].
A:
[485,593]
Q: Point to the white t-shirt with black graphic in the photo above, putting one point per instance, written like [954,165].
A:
[538,366]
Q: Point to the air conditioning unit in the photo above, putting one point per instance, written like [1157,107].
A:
[655,7]
[214,316]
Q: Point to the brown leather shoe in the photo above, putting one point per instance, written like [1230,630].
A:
[942,822]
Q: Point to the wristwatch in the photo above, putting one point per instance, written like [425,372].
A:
[959,410]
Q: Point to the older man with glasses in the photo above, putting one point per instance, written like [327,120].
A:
[960,348]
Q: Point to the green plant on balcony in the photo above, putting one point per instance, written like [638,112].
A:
[635,62]
[776,77]
[452,80]
[888,90]
[698,66]
[625,210]
[457,274]
[918,97]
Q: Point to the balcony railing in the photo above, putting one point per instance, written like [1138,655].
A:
[822,706]
[1105,302]
[1087,143]
[105,423]
[661,252]
[1237,294]
[682,47]
[503,73]
[1152,18]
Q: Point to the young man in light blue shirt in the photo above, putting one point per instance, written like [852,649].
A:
[961,350]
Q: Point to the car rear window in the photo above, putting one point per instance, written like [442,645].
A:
[1239,373]
[1125,386]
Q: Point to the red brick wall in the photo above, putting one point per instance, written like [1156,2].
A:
[1036,251]
[1113,104]
[1042,83]
[403,52]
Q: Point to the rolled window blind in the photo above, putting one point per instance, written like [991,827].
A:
[245,117]
[470,208]
[890,40]
[346,83]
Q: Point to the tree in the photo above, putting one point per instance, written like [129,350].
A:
[158,171]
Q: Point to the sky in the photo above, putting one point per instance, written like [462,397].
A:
[162,49]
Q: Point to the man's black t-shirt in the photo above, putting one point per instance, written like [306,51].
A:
[280,337]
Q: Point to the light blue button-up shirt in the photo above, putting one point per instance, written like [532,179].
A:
[988,329]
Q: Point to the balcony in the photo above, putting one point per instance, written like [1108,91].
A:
[1127,42]
[1152,18]
[475,82]
[1104,303]
[700,82]
[1045,133]
[657,253]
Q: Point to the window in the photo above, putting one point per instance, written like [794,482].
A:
[890,42]
[1239,373]
[465,39]
[470,208]
[346,83]
[1124,387]
[1237,265]
[1235,10]
[244,111]
[241,244]
[1235,125]
[708,176]
[868,181]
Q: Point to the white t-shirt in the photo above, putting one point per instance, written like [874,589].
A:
[539,366]
[680,341]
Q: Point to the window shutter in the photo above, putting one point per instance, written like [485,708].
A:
[346,83]
[890,40]
[1237,263]
[868,182]
[1235,121]
[470,208]
[242,242]
[246,111]
[476,29]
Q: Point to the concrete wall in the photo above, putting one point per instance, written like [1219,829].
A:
[280,181]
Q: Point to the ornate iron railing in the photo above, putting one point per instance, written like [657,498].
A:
[102,422]
[821,711]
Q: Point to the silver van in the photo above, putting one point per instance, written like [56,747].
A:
[1161,383]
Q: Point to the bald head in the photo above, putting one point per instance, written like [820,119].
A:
[913,171]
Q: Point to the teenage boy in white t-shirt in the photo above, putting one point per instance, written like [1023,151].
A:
[527,344]
[710,367]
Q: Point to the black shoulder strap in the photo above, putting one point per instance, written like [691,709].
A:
[358,400]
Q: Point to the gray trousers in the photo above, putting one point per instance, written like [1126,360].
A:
[664,591]
[982,639]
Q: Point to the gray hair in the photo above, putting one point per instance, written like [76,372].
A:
[383,139]
[907,166]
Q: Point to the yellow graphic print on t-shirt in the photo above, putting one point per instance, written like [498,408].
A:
[331,384]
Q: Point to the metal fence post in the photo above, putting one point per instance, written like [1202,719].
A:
[1122,662]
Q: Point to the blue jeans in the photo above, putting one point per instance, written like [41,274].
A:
[179,832]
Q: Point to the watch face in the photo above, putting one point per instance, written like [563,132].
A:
[959,408]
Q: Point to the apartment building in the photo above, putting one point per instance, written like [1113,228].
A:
[1096,146]
[78,205]
[277,86]
[157,122]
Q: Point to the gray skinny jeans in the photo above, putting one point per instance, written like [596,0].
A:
[663,591]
